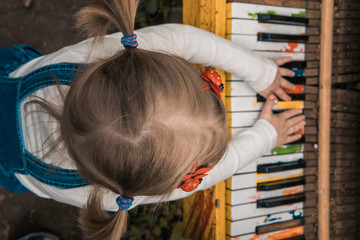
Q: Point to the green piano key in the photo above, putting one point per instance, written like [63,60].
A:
[286,149]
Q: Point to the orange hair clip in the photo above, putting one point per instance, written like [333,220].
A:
[213,78]
[192,180]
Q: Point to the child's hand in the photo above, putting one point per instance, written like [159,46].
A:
[279,82]
[285,123]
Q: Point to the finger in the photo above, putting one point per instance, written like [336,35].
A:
[290,113]
[286,72]
[269,104]
[282,60]
[286,84]
[295,120]
[296,127]
[292,138]
[282,94]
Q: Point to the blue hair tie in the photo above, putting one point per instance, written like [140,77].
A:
[124,202]
[129,41]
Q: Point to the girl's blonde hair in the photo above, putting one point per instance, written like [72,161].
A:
[135,123]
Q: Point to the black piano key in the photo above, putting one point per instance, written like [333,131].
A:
[279,184]
[287,20]
[296,80]
[272,37]
[295,64]
[298,221]
[300,141]
[278,111]
[302,237]
[279,201]
[294,97]
[282,166]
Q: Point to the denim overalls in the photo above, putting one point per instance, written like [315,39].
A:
[14,158]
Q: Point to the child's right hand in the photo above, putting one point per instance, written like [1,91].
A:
[285,123]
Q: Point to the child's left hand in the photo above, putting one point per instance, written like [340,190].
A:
[279,82]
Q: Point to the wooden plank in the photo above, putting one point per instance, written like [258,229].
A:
[204,212]
[284,3]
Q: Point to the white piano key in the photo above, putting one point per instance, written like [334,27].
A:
[248,226]
[244,119]
[250,180]
[250,11]
[251,42]
[250,210]
[253,27]
[240,88]
[250,195]
[245,104]
[296,56]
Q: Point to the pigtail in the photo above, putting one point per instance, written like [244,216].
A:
[95,21]
[96,18]
[96,223]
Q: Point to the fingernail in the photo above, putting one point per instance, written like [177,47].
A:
[276,101]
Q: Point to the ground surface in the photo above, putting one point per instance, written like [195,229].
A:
[48,26]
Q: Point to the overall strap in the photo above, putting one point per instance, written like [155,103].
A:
[62,73]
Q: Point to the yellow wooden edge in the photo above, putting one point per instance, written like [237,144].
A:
[228,195]
[228,10]
[209,15]
[228,28]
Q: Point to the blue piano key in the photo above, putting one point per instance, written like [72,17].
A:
[298,72]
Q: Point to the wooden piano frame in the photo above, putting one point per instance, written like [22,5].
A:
[204,212]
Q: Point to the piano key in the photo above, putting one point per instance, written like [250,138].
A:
[249,210]
[280,200]
[253,27]
[240,88]
[250,180]
[251,104]
[286,20]
[297,56]
[280,166]
[252,166]
[286,149]
[286,38]
[251,11]
[250,195]
[253,42]
[281,234]
[248,226]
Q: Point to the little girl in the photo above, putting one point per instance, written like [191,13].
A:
[106,126]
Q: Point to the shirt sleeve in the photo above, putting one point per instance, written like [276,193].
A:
[192,44]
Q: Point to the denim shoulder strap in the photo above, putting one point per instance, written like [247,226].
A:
[26,163]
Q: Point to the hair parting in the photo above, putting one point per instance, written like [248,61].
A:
[136,122]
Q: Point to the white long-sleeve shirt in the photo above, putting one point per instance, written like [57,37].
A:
[194,45]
